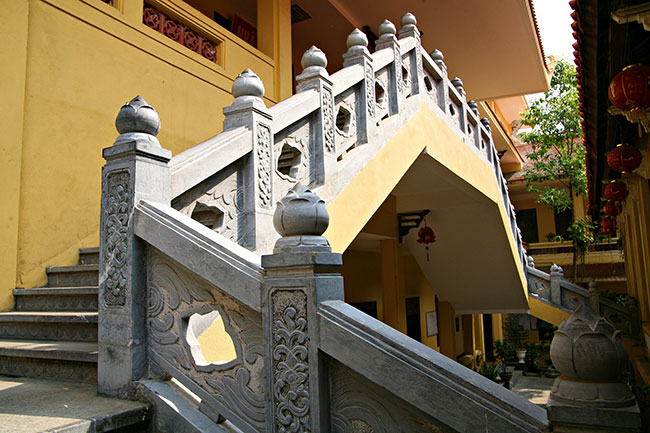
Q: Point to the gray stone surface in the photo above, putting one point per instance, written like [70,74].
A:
[390,359]
[32,405]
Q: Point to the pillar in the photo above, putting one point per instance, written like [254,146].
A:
[447,329]
[390,281]
[136,169]
[301,273]
[274,40]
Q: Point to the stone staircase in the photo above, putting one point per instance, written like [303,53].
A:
[52,331]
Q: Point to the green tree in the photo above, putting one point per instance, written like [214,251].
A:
[557,172]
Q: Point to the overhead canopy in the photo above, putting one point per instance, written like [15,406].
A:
[493,46]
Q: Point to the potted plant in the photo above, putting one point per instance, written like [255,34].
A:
[505,354]
[533,352]
[516,334]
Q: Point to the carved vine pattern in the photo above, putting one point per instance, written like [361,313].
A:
[174,293]
[290,362]
[118,206]
[178,32]
[398,70]
[370,90]
[358,406]
[328,119]
[264,164]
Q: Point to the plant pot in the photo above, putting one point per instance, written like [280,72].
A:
[521,357]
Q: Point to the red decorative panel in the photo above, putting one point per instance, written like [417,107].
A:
[182,34]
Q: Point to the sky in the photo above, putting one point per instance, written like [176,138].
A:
[554,22]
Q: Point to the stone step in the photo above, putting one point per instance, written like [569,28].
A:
[62,360]
[89,256]
[73,276]
[48,325]
[82,298]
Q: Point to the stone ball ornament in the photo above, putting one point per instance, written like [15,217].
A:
[387,30]
[248,84]
[137,116]
[313,57]
[357,39]
[301,219]
[589,354]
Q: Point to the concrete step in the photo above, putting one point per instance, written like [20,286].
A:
[56,299]
[48,325]
[73,276]
[60,360]
[89,256]
[34,405]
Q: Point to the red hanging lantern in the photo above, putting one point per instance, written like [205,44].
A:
[426,237]
[629,90]
[616,191]
[624,158]
[607,226]
[612,208]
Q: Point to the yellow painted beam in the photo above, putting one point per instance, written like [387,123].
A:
[549,314]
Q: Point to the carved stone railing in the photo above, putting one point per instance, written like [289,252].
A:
[554,290]
[322,136]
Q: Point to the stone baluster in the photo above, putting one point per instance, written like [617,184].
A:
[462,114]
[590,395]
[530,261]
[248,110]
[387,40]
[323,146]
[358,54]
[594,297]
[443,93]
[136,168]
[301,273]
[556,290]
[409,29]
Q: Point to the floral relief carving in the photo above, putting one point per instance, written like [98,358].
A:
[328,119]
[264,164]
[398,71]
[118,205]
[234,388]
[290,361]
[370,90]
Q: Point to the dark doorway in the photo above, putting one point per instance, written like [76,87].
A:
[488,337]
[413,318]
[527,222]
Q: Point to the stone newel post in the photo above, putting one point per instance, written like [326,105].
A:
[314,76]
[590,395]
[248,110]
[358,54]
[396,86]
[135,169]
[302,272]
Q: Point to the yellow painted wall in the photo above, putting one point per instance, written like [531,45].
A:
[417,285]
[73,63]
[362,278]
[545,216]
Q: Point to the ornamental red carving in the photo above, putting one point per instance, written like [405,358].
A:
[175,30]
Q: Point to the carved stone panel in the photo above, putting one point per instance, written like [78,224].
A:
[264,155]
[235,389]
[117,215]
[357,405]
[224,195]
[295,137]
[370,90]
[290,363]
[328,119]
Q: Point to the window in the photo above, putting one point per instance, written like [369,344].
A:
[562,222]
[527,222]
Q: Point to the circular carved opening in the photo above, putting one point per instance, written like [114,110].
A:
[452,110]
[405,75]
[343,120]
[428,83]
[289,160]
[208,339]
[209,216]
[380,93]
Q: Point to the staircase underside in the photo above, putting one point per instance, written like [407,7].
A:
[426,166]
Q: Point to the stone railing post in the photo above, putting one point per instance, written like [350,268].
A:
[530,261]
[248,110]
[409,29]
[301,273]
[439,59]
[135,169]
[556,276]
[590,394]
[323,145]
[594,297]
[358,54]
[387,40]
